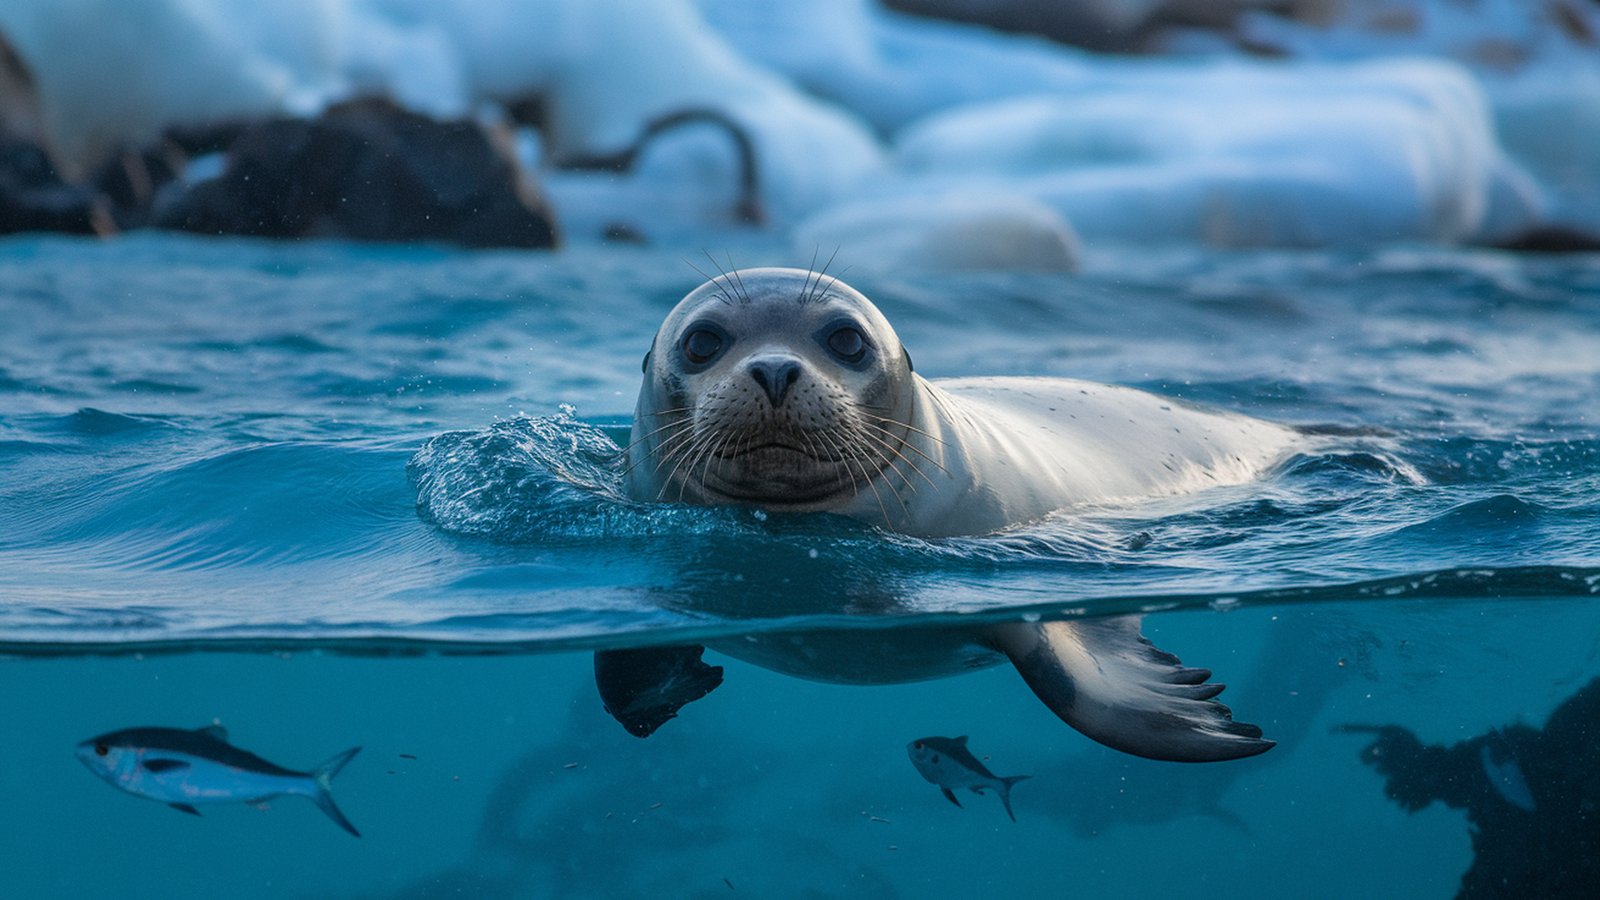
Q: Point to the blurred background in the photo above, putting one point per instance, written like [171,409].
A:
[953,133]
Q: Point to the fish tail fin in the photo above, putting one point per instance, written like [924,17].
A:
[1005,792]
[323,777]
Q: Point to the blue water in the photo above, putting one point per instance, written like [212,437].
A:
[382,480]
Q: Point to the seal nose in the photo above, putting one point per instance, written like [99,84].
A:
[775,374]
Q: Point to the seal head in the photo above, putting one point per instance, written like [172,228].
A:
[778,388]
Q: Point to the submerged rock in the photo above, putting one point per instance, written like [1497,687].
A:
[1531,797]
[363,170]
[33,194]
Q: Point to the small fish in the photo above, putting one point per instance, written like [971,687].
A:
[947,763]
[183,768]
[1505,776]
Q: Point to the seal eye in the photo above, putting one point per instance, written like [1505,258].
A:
[701,345]
[848,344]
[101,749]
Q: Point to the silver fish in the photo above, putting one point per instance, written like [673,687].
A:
[1505,776]
[183,768]
[949,764]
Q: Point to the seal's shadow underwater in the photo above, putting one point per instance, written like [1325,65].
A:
[786,390]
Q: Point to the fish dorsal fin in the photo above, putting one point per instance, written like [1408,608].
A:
[215,732]
[961,741]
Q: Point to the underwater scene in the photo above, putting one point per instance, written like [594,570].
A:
[265,503]
[852,448]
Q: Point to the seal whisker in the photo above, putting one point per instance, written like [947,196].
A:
[874,440]
[884,443]
[737,278]
[833,279]
[642,438]
[805,286]
[875,492]
[906,425]
[716,453]
[706,452]
[726,282]
[693,450]
[910,446]
[683,440]
[685,426]
[645,437]
[813,291]
[722,459]
[887,457]
[855,488]
[721,294]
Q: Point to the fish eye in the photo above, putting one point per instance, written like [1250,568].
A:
[917,745]
[701,345]
[848,344]
[101,749]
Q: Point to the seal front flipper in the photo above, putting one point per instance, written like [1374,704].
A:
[643,687]
[1102,677]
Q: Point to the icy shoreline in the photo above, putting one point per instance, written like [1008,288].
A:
[907,136]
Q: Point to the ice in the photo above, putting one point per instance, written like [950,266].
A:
[1243,155]
[955,231]
[1491,125]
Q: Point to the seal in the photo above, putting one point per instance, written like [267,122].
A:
[789,391]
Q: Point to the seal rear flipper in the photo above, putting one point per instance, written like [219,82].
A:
[644,687]
[1104,678]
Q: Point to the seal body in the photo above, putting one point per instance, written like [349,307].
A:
[786,390]
[1000,452]
[869,438]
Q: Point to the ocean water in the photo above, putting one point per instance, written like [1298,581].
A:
[334,495]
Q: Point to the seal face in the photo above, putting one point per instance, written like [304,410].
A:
[770,387]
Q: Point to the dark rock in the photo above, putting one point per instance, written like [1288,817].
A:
[132,180]
[33,194]
[747,208]
[1107,27]
[1553,239]
[363,170]
[1532,797]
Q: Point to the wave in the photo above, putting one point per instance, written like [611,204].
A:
[518,537]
